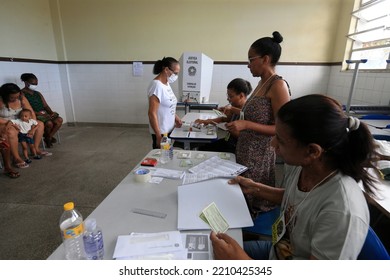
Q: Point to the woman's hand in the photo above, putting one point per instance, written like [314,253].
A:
[178,121]
[14,125]
[205,122]
[247,185]
[236,126]
[226,248]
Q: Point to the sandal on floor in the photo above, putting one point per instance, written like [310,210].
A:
[27,160]
[12,174]
[37,157]
[45,153]
[21,165]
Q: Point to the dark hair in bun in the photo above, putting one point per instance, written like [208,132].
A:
[269,46]
[165,62]
[277,37]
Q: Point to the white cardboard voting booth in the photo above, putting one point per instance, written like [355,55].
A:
[196,77]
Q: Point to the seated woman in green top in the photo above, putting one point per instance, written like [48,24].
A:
[42,110]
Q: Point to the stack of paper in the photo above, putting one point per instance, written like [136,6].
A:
[170,245]
[218,166]
[214,167]
[150,246]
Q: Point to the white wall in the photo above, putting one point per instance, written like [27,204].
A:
[49,81]
[370,89]
[109,93]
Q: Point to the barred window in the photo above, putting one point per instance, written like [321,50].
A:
[371,38]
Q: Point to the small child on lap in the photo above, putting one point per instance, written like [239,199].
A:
[27,127]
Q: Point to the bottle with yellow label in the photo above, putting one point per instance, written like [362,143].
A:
[72,229]
[165,146]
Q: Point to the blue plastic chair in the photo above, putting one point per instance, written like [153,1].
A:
[263,223]
[375,117]
[373,248]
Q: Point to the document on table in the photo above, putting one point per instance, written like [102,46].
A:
[214,167]
[167,173]
[198,246]
[190,178]
[148,246]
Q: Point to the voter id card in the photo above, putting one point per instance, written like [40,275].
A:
[213,217]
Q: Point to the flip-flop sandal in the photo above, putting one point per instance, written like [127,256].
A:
[12,174]
[37,157]
[45,153]
[21,165]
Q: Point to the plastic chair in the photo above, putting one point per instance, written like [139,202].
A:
[373,248]
[381,137]
[375,117]
[263,223]
[58,140]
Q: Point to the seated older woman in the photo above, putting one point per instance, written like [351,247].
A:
[42,110]
[11,103]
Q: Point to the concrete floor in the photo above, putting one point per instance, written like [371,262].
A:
[87,165]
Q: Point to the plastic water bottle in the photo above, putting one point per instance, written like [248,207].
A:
[165,146]
[72,229]
[93,240]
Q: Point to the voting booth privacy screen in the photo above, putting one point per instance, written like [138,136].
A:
[196,77]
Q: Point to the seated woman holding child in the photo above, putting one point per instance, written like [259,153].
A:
[11,103]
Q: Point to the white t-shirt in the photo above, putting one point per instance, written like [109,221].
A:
[167,109]
[25,127]
[331,222]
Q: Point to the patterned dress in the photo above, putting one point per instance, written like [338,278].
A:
[254,149]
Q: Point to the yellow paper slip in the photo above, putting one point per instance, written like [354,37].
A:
[213,217]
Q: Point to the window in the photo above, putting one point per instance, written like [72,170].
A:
[371,38]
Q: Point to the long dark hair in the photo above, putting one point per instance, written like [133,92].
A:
[165,62]
[320,119]
[6,90]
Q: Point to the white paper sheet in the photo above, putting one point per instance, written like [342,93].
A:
[193,198]
[149,245]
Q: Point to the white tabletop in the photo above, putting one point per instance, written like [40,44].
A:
[114,214]
[378,127]
[382,194]
[191,117]
[182,134]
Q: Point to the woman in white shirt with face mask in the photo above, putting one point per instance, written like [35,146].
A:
[162,101]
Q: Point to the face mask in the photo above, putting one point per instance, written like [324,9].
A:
[172,78]
[32,87]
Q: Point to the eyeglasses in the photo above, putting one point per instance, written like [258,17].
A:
[253,58]
[173,71]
